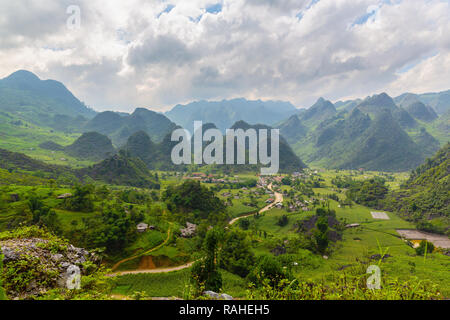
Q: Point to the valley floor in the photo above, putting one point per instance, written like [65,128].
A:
[364,244]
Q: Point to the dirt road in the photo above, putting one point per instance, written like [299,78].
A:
[278,199]
[147,252]
[158,270]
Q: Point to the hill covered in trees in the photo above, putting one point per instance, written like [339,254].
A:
[120,127]
[42,102]
[424,198]
[12,161]
[374,134]
[121,169]
[92,146]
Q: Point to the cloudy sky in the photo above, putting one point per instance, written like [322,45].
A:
[159,53]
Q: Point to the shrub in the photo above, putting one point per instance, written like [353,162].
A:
[283,221]
[424,247]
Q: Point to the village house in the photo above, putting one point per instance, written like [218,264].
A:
[142,227]
[189,231]
[64,196]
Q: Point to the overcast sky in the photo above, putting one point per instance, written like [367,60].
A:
[156,54]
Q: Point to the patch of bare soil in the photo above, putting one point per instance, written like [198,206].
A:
[154,262]
[438,240]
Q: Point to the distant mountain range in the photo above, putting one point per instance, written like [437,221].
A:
[439,101]
[227,112]
[376,133]
[158,156]
[120,127]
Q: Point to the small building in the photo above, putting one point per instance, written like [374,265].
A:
[353,225]
[142,227]
[64,196]
[189,231]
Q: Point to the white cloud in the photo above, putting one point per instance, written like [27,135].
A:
[159,53]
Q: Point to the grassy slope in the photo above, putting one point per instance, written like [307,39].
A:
[373,235]
[27,137]
[172,284]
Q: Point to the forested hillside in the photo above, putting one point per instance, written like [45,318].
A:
[42,102]
[373,134]
[425,197]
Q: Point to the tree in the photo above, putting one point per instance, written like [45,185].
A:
[320,235]
[368,192]
[113,230]
[193,201]
[236,255]
[268,269]
[204,273]
[42,215]
[244,224]
[424,247]
[81,199]
[283,221]
[286,181]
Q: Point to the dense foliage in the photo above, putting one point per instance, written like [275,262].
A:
[191,201]
[348,286]
[268,269]
[425,197]
[236,255]
[121,169]
[374,134]
[91,146]
[368,192]
[205,274]
[36,269]
[81,200]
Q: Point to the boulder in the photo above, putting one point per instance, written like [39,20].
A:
[217,296]
[211,294]
[225,296]
[71,278]
[9,254]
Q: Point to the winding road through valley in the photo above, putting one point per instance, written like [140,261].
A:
[278,199]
